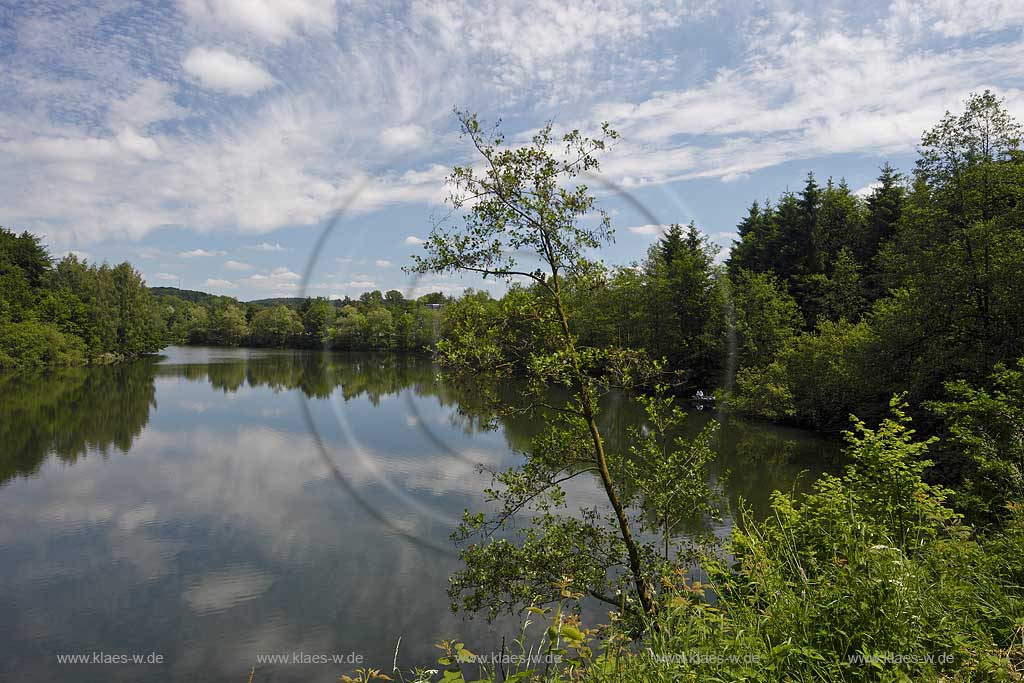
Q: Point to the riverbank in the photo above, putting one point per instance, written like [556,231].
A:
[869,577]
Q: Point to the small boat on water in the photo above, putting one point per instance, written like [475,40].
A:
[703,400]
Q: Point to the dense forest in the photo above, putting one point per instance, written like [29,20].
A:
[70,312]
[873,314]
[375,321]
[830,302]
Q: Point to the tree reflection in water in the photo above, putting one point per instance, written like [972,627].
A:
[69,412]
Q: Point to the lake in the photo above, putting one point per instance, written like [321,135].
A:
[212,506]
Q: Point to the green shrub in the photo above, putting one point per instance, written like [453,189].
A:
[31,343]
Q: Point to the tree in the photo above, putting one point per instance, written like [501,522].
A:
[405,331]
[683,297]
[884,206]
[27,253]
[843,297]
[227,325]
[379,329]
[30,343]
[841,223]
[349,329]
[138,323]
[276,326]
[959,243]
[659,463]
[436,298]
[766,317]
[523,201]
[87,312]
[317,315]
[987,424]
[753,250]
[370,299]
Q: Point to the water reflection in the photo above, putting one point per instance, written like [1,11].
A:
[182,506]
[68,412]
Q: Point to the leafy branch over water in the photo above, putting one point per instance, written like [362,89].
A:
[524,218]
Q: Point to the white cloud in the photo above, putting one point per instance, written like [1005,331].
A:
[199,253]
[804,94]
[285,274]
[111,154]
[413,240]
[280,280]
[553,41]
[152,101]
[237,265]
[137,144]
[166,277]
[219,283]
[953,18]
[382,263]
[271,20]
[266,246]
[219,70]
[402,137]
[301,152]
[127,146]
[867,189]
[649,229]
[149,253]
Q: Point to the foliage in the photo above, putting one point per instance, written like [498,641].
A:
[525,206]
[71,312]
[31,343]
[668,471]
[821,376]
[766,317]
[869,577]
[912,288]
[277,326]
[374,322]
[986,425]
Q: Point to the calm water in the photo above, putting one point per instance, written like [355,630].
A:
[214,505]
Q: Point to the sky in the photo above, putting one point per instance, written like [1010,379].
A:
[215,143]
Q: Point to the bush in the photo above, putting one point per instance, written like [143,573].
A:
[870,566]
[819,378]
[32,343]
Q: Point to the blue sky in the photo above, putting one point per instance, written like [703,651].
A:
[211,142]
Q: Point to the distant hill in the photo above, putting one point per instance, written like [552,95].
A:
[290,301]
[434,299]
[192,295]
[198,297]
[195,296]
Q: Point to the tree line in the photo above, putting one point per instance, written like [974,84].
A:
[898,305]
[70,312]
[375,321]
[828,301]
[913,287]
